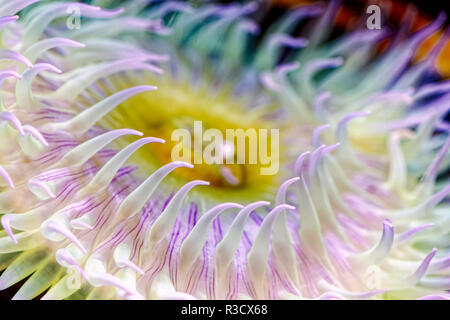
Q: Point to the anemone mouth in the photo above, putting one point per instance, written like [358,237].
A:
[179,104]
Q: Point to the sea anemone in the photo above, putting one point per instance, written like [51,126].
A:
[358,208]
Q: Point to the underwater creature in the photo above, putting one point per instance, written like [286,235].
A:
[94,207]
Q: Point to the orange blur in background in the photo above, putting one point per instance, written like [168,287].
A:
[347,16]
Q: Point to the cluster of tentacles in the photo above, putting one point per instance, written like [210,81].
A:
[359,211]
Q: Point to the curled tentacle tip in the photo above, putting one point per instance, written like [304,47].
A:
[182,164]
[286,206]
[388,223]
[5,222]
[201,182]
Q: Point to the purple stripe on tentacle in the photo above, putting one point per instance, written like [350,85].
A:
[123,172]
[111,200]
[138,233]
[173,273]
[256,218]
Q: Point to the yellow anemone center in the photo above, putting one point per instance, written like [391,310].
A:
[180,105]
